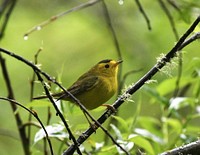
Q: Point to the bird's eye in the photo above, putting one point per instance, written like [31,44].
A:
[107,66]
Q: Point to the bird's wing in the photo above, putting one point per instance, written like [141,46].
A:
[83,84]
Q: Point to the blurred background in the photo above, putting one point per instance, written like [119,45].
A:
[75,42]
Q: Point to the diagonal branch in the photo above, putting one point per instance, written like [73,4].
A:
[53,18]
[58,111]
[144,14]
[192,148]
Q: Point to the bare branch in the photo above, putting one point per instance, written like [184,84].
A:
[10,4]
[53,18]
[18,119]
[192,148]
[144,14]
[169,16]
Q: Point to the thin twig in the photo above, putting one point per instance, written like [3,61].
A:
[169,16]
[31,97]
[174,5]
[12,4]
[18,119]
[58,111]
[35,115]
[127,74]
[33,77]
[144,14]
[180,66]
[189,40]
[116,44]
[53,18]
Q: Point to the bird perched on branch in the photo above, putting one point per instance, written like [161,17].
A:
[94,87]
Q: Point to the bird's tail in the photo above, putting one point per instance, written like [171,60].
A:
[40,97]
[58,96]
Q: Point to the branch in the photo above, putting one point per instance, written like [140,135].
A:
[192,149]
[18,119]
[6,3]
[58,111]
[53,18]
[169,16]
[137,85]
[144,14]
[31,96]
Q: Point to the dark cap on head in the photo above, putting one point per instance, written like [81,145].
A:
[105,61]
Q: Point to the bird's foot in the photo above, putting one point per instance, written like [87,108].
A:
[110,107]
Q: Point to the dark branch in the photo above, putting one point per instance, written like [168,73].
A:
[169,16]
[192,149]
[10,4]
[144,14]
[53,18]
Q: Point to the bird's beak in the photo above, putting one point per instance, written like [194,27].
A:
[119,61]
[116,63]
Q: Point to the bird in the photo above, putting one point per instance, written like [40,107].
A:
[94,87]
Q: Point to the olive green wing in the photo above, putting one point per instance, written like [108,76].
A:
[83,84]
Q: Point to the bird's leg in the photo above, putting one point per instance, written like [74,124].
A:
[110,107]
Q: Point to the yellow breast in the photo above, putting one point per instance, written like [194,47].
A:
[101,93]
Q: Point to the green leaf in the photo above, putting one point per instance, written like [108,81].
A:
[55,130]
[151,124]
[169,85]
[117,131]
[180,102]
[122,123]
[142,142]
[175,124]
[147,134]
[127,145]
[156,95]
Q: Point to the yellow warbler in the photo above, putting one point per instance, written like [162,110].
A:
[94,87]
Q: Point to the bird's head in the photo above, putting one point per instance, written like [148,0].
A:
[107,67]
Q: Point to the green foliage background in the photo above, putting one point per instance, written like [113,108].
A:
[80,39]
